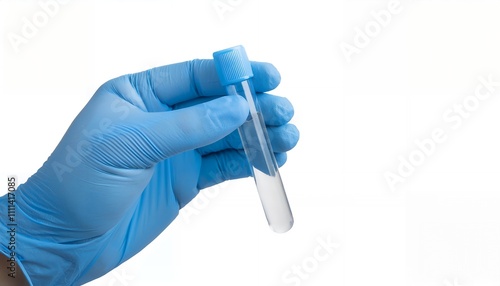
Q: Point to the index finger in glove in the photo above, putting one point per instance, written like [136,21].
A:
[176,83]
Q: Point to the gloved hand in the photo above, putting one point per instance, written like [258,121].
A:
[139,151]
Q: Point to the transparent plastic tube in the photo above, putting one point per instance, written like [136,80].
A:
[235,73]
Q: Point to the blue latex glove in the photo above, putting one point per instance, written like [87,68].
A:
[140,150]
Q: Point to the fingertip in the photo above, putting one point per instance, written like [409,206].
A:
[266,76]
[274,78]
[277,110]
[284,109]
[281,158]
[284,138]
[293,135]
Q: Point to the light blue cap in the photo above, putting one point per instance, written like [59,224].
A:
[232,65]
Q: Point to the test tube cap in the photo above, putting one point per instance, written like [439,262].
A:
[232,65]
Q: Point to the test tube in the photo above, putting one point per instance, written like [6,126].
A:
[235,73]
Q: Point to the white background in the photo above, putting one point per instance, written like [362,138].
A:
[440,227]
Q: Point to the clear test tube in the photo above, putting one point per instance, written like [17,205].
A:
[235,73]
